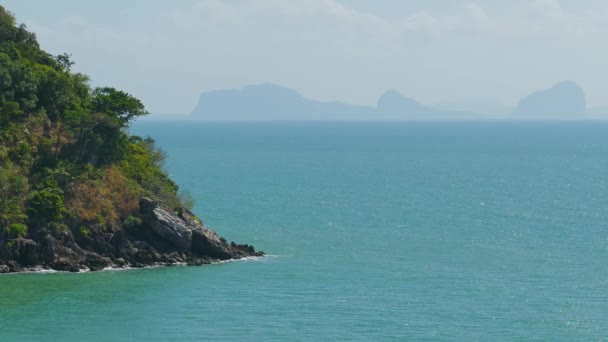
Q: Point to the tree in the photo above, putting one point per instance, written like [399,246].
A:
[9,113]
[65,61]
[47,205]
[18,83]
[7,25]
[117,104]
[14,188]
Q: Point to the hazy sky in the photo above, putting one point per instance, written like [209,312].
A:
[167,52]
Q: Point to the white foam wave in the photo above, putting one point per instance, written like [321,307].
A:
[115,268]
[35,270]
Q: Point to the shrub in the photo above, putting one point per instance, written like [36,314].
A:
[143,164]
[21,153]
[100,219]
[14,189]
[16,230]
[9,112]
[132,221]
[83,231]
[58,227]
[47,205]
[186,198]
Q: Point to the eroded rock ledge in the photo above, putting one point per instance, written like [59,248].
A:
[163,238]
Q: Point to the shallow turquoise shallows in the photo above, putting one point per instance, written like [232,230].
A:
[376,231]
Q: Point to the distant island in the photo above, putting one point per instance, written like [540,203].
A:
[77,191]
[273,102]
[564,100]
[269,101]
[393,105]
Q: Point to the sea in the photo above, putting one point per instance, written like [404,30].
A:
[375,231]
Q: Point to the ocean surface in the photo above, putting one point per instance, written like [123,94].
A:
[376,231]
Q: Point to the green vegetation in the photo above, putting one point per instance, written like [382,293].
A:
[67,162]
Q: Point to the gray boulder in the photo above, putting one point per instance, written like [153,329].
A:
[188,234]
[168,226]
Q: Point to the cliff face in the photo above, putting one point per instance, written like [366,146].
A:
[162,238]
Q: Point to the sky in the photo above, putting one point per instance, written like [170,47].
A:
[437,51]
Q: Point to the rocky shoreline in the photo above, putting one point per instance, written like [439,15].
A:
[118,267]
[162,238]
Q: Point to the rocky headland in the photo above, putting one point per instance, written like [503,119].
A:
[77,190]
[163,238]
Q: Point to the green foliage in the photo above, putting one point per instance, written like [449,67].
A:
[47,205]
[20,153]
[14,189]
[65,61]
[58,228]
[186,199]
[18,230]
[118,104]
[7,23]
[83,231]
[132,221]
[9,112]
[18,82]
[143,163]
[101,220]
[55,91]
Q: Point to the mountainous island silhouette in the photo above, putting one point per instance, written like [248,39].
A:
[564,99]
[268,101]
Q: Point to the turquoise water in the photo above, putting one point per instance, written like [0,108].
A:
[377,231]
